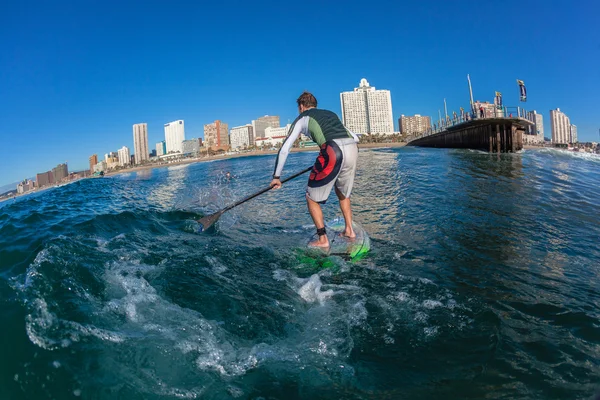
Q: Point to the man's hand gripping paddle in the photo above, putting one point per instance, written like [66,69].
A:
[209,220]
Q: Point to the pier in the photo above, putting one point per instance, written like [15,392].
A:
[494,132]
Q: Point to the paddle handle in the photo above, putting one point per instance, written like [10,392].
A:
[250,197]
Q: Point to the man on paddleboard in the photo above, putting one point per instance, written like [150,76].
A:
[335,166]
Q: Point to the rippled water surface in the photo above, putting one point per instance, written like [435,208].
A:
[482,282]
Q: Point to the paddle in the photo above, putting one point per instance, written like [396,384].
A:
[209,220]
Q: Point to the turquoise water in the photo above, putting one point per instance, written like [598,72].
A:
[482,282]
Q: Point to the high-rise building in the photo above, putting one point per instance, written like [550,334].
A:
[60,172]
[124,156]
[216,135]
[241,136]
[191,146]
[537,129]
[140,142]
[174,136]
[44,179]
[93,161]
[561,126]
[574,134]
[260,124]
[367,110]
[413,125]
[161,148]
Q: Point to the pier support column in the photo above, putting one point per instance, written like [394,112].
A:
[498,139]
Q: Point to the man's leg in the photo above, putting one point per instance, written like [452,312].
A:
[347,213]
[316,214]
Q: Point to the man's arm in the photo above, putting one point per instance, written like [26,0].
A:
[300,126]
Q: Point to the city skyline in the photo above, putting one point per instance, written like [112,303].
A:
[66,105]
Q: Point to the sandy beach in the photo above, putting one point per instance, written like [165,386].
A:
[248,154]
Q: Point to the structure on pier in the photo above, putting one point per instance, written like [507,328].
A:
[496,134]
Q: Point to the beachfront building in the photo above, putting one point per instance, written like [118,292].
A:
[269,141]
[216,135]
[161,148]
[260,124]
[140,142]
[561,127]
[101,166]
[367,110]
[93,161]
[123,156]
[25,186]
[60,172]
[535,132]
[574,134]
[191,146]
[174,136]
[111,160]
[413,125]
[241,137]
[44,179]
[277,132]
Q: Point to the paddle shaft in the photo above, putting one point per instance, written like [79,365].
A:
[250,197]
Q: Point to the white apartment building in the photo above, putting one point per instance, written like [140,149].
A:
[367,110]
[535,131]
[241,136]
[574,138]
[140,142]
[160,148]
[124,156]
[561,127]
[174,136]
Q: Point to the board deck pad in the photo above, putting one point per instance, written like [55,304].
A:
[343,246]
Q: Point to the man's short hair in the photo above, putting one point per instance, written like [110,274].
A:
[307,100]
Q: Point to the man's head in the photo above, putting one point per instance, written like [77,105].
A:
[306,101]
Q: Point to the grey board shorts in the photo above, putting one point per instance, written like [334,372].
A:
[335,166]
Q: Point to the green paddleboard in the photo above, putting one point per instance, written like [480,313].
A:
[353,249]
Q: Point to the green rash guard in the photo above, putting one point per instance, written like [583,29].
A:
[320,125]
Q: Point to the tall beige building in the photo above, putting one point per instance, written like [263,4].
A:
[216,135]
[412,125]
[260,124]
[140,142]
[561,127]
[367,110]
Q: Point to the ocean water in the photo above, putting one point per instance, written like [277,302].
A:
[483,282]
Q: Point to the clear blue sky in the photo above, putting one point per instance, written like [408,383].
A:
[75,76]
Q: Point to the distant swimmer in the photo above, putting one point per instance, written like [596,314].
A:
[335,166]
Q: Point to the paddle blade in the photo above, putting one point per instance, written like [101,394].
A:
[208,221]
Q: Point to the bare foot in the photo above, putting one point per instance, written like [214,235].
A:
[349,234]
[322,242]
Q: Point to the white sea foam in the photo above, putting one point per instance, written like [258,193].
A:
[311,291]
[217,267]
